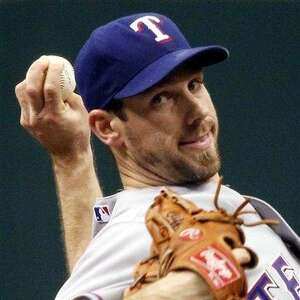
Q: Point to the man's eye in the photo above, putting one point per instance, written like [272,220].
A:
[195,85]
[160,99]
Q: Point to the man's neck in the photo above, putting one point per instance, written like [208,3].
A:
[134,176]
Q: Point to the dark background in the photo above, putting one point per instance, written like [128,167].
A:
[256,93]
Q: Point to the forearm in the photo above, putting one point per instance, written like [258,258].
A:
[183,285]
[77,188]
[62,127]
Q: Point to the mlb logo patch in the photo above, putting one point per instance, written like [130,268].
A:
[216,266]
[102,213]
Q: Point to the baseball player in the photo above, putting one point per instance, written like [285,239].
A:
[144,93]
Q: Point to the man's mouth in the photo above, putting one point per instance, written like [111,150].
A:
[201,143]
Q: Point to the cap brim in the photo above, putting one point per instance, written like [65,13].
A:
[158,70]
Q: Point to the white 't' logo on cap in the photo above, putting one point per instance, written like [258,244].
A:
[151,23]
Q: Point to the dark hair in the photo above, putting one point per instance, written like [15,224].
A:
[116,107]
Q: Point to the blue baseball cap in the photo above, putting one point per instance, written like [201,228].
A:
[130,55]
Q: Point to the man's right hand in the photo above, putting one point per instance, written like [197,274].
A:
[61,126]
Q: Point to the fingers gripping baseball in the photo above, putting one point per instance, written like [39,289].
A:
[50,111]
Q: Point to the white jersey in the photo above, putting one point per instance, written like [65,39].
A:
[121,240]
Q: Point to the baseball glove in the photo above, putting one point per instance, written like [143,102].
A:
[199,251]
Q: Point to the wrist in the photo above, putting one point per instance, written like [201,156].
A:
[74,165]
[72,170]
[72,159]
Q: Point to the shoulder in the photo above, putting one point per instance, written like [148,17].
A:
[283,229]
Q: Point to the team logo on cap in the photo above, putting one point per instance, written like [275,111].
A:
[151,22]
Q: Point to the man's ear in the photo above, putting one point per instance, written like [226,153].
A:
[100,122]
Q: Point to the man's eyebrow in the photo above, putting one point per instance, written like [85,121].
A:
[168,81]
[171,79]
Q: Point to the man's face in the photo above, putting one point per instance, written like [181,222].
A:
[172,129]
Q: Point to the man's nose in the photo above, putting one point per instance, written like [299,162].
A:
[195,109]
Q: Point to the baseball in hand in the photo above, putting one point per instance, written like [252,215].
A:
[67,77]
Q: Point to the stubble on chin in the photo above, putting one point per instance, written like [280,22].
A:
[178,170]
[173,167]
[205,166]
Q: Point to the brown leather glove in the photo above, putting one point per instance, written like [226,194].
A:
[209,244]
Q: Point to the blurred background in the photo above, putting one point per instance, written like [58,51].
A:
[256,93]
